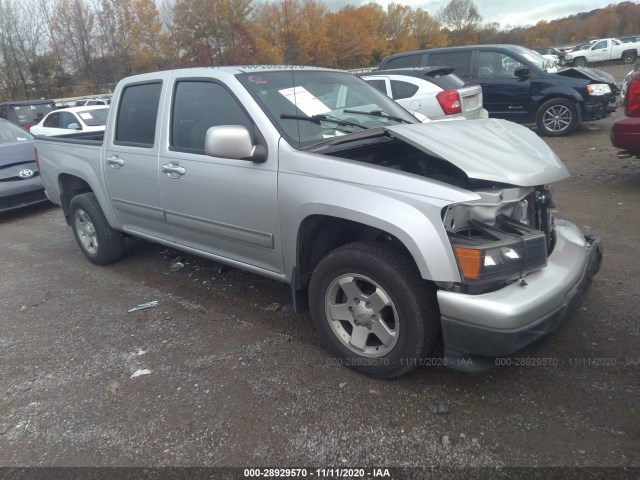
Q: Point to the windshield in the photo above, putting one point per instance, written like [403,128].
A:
[95,117]
[10,133]
[308,107]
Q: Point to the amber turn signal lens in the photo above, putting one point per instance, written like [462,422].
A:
[469,261]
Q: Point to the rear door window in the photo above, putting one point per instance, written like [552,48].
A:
[52,121]
[459,61]
[405,61]
[401,89]
[379,84]
[136,121]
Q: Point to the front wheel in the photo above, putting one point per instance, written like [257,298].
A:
[372,309]
[628,57]
[100,243]
[557,117]
[580,62]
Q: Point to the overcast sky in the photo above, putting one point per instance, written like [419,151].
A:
[505,12]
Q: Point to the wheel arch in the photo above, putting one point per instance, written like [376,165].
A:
[320,233]
[71,184]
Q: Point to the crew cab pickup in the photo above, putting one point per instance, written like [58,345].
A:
[603,50]
[404,236]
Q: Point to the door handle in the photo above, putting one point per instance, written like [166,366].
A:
[173,169]
[115,161]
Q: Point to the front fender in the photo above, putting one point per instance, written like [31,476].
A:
[414,219]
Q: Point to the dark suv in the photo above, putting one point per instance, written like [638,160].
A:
[518,84]
[26,113]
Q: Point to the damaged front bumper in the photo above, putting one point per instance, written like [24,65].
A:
[479,328]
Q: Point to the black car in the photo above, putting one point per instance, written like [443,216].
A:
[518,85]
[20,183]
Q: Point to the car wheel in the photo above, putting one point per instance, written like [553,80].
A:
[372,309]
[580,62]
[100,243]
[557,117]
[628,57]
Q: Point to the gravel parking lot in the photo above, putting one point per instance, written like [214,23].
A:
[228,375]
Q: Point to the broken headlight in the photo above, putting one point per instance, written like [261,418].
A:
[488,254]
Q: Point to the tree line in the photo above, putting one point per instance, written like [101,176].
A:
[57,48]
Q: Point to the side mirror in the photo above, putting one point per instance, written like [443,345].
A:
[233,142]
[73,126]
[521,72]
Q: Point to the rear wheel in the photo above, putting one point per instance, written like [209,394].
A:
[372,309]
[100,243]
[557,117]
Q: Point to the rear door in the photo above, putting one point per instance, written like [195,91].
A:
[504,95]
[131,161]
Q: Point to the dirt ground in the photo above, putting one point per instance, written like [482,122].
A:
[237,379]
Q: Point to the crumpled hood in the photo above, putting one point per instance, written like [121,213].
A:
[488,149]
[588,74]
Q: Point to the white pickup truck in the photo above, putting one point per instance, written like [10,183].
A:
[605,49]
[404,236]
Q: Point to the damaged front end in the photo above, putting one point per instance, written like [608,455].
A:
[500,238]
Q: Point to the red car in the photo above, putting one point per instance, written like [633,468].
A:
[625,133]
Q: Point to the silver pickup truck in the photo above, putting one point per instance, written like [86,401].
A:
[407,238]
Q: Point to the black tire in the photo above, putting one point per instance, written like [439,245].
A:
[557,117]
[100,243]
[628,57]
[412,313]
[580,62]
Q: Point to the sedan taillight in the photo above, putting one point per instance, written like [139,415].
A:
[449,101]
[632,100]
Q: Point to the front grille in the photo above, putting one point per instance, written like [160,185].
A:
[22,199]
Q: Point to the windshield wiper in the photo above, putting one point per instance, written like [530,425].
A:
[324,118]
[378,113]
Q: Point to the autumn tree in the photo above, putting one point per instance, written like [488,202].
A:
[427,30]
[349,39]
[462,19]
[399,28]
[207,32]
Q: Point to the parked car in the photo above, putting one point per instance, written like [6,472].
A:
[401,234]
[552,54]
[605,49]
[435,92]
[518,85]
[26,113]
[93,101]
[627,79]
[630,39]
[625,133]
[20,183]
[67,120]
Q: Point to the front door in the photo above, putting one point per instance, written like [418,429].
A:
[220,206]
[504,95]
